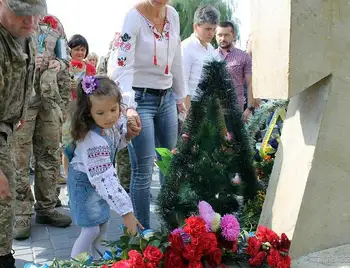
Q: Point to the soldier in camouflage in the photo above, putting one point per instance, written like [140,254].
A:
[42,130]
[18,21]
[123,159]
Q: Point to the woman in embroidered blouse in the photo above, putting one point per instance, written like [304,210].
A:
[146,61]
[99,131]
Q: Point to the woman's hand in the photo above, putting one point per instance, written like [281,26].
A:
[131,223]
[132,127]
[181,108]
[134,122]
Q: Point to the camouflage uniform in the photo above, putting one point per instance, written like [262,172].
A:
[42,130]
[17,66]
[123,159]
[102,66]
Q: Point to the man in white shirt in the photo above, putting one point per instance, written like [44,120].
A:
[197,48]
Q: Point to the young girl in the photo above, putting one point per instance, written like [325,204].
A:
[99,131]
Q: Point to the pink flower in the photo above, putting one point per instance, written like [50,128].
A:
[177,231]
[185,137]
[237,179]
[207,213]
[230,227]
[228,136]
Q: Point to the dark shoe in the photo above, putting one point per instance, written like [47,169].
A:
[58,203]
[54,218]
[22,227]
[7,261]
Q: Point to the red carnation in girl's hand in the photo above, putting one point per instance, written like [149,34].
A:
[51,21]
[153,254]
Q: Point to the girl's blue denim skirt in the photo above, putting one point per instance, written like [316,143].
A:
[87,207]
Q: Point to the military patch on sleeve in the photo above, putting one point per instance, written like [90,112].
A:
[122,41]
[121,61]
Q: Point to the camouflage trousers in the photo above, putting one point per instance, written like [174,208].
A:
[42,132]
[124,168]
[6,205]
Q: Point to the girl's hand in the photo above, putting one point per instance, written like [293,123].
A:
[131,223]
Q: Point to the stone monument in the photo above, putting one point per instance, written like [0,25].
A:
[301,52]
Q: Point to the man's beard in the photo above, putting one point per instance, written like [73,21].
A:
[224,45]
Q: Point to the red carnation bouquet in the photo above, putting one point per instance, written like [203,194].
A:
[76,65]
[193,246]
[205,240]
[50,21]
[267,246]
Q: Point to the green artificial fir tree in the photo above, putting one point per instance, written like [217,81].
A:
[208,158]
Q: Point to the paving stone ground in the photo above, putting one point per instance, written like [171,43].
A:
[48,242]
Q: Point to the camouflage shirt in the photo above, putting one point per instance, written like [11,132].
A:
[16,77]
[102,66]
[53,45]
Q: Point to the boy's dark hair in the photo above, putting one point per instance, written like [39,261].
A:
[78,40]
[226,24]
[82,120]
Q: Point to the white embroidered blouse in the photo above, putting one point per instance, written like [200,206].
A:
[93,157]
[143,57]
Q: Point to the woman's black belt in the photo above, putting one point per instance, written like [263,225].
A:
[152,91]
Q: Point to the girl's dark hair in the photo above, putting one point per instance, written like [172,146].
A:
[82,120]
[78,40]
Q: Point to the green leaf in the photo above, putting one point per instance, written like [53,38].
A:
[155,243]
[135,241]
[124,254]
[158,235]
[125,239]
[143,244]
[82,257]
[165,159]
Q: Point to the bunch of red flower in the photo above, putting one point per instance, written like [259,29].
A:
[51,21]
[151,258]
[76,64]
[267,245]
[192,247]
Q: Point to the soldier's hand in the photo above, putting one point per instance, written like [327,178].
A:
[19,125]
[55,65]
[4,186]
[73,85]
[39,61]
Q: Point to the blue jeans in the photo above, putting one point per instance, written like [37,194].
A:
[159,128]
